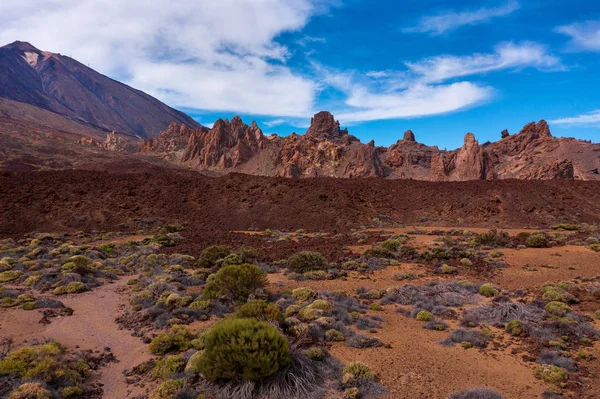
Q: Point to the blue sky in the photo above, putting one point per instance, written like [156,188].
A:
[439,68]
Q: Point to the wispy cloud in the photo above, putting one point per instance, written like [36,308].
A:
[450,20]
[427,86]
[584,35]
[506,56]
[591,118]
[306,40]
[210,55]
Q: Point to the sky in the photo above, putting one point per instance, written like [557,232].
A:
[439,68]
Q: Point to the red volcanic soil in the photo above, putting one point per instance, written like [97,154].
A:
[212,208]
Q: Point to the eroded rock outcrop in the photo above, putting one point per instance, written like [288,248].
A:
[328,150]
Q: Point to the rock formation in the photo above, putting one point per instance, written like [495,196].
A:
[328,150]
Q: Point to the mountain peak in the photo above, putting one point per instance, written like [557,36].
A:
[21,46]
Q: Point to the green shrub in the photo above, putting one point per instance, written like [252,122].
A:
[537,240]
[70,392]
[375,306]
[466,262]
[314,353]
[424,315]
[29,306]
[334,335]
[306,261]
[378,252]
[303,294]
[260,310]
[209,256]
[9,275]
[595,247]
[31,390]
[556,293]
[514,328]
[565,226]
[235,283]
[43,363]
[168,366]
[78,264]
[71,288]
[168,389]
[488,290]
[317,275]
[243,348]
[356,372]
[555,307]
[199,305]
[179,338]
[193,362]
[445,269]
[391,245]
[351,393]
[31,280]
[8,302]
[550,373]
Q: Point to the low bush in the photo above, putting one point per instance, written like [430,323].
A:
[210,256]
[168,389]
[45,362]
[303,294]
[514,328]
[235,283]
[356,373]
[362,341]
[179,338]
[537,240]
[475,338]
[488,290]
[306,261]
[71,288]
[556,307]
[243,348]
[550,373]
[260,310]
[477,393]
[78,264]
[424,316]
[164,368]
[9,275]
[31,390]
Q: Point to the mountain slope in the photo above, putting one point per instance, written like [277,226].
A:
[326,150]
[59,84]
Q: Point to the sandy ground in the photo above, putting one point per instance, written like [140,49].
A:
[414,366]
[92,326]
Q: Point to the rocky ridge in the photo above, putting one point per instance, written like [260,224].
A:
[328,150]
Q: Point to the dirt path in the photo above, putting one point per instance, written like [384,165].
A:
[92,326]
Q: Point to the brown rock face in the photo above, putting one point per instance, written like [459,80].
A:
[466,163]
[409,136]
[327,150]
[323,126]
[226,145]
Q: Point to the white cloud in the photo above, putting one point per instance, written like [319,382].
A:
[416,101]
[426,88]
[506,56]
[444,22]
[584,35]
[583,119]
[213,55]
